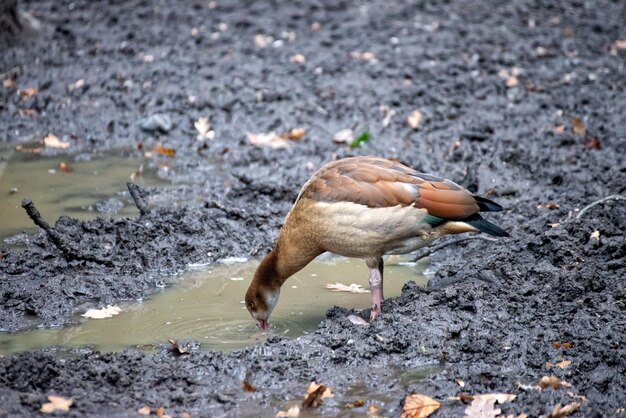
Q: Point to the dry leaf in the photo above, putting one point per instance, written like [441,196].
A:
[296,134]
[511,81]
[144,410]
[270,139]
[52,141]
[548,205]
[160,149]
[419,406]
[344,136]
[352,288]
[262,41]
[414,119]
[9,83]
[315,394]
[293,412]
[297,59]
[498,397]
[563,411]
[57,403]
[563,363]
[160,411]
[620,44]
[177,347]
[482,407]
[593,143]
[558,345]
[362,56]
[29,92]
[357,320]
[203,127]
[559,129]
[76,85]
[389,113]
[107,312]
[65,167]
[27,112]
[578,126]
[247,386]
[553,382]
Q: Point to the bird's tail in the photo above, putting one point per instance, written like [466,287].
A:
[484,225]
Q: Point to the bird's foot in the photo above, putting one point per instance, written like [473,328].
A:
[375,311]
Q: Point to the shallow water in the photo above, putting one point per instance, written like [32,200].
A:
[56,192]
[207,305]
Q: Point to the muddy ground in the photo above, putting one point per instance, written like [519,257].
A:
[498,85]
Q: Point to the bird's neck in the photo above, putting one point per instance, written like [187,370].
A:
[286,259]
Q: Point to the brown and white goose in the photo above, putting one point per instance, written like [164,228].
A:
[365,207]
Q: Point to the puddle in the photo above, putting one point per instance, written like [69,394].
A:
[207,306]
[56,192]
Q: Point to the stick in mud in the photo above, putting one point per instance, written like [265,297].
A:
[135,193]
[597,202]
[68,252]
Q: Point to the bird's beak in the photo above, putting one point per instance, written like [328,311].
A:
[263,324]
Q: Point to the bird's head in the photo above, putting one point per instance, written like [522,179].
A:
[263,293]
[260,301]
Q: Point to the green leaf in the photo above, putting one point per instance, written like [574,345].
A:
[364,137]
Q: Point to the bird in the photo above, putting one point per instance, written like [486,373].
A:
[365,207]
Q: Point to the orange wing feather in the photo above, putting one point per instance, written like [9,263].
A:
[378,182]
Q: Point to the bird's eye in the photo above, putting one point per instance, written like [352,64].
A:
[251,305]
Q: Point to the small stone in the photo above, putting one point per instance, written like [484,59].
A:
[157,122]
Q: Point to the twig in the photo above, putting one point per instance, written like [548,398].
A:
[435,248]
[237,214]
[597,202]
[135,193]
[69,253]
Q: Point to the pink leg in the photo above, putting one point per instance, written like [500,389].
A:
[376,286]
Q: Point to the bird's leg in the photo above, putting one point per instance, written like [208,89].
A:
[376,286]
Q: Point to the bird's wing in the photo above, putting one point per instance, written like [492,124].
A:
[378,183]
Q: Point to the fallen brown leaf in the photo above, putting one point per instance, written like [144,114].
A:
[559,129]
[414,119]
[52,141]
[29,92]
[144,410]
[344,136]
[497,397]
[357,320]
[419,406]
[553,382]
[177,348]
[65,167]
[482,407]
[102,313]
[9,82]
[160,411]
[296,134]
[315,394]
[27,113]
[563,411]
[558,345]
[548,205]
[293,412]
[160,149]
[352,288]
[297,59]
[203,127]
[578,126]
[271,139]
[593,143]
[362,56]
[247,386]
[620,44]
[563,363]
[57,403]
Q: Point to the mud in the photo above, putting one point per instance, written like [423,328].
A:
[494,310]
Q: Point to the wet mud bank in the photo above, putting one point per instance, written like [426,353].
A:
[520,102]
